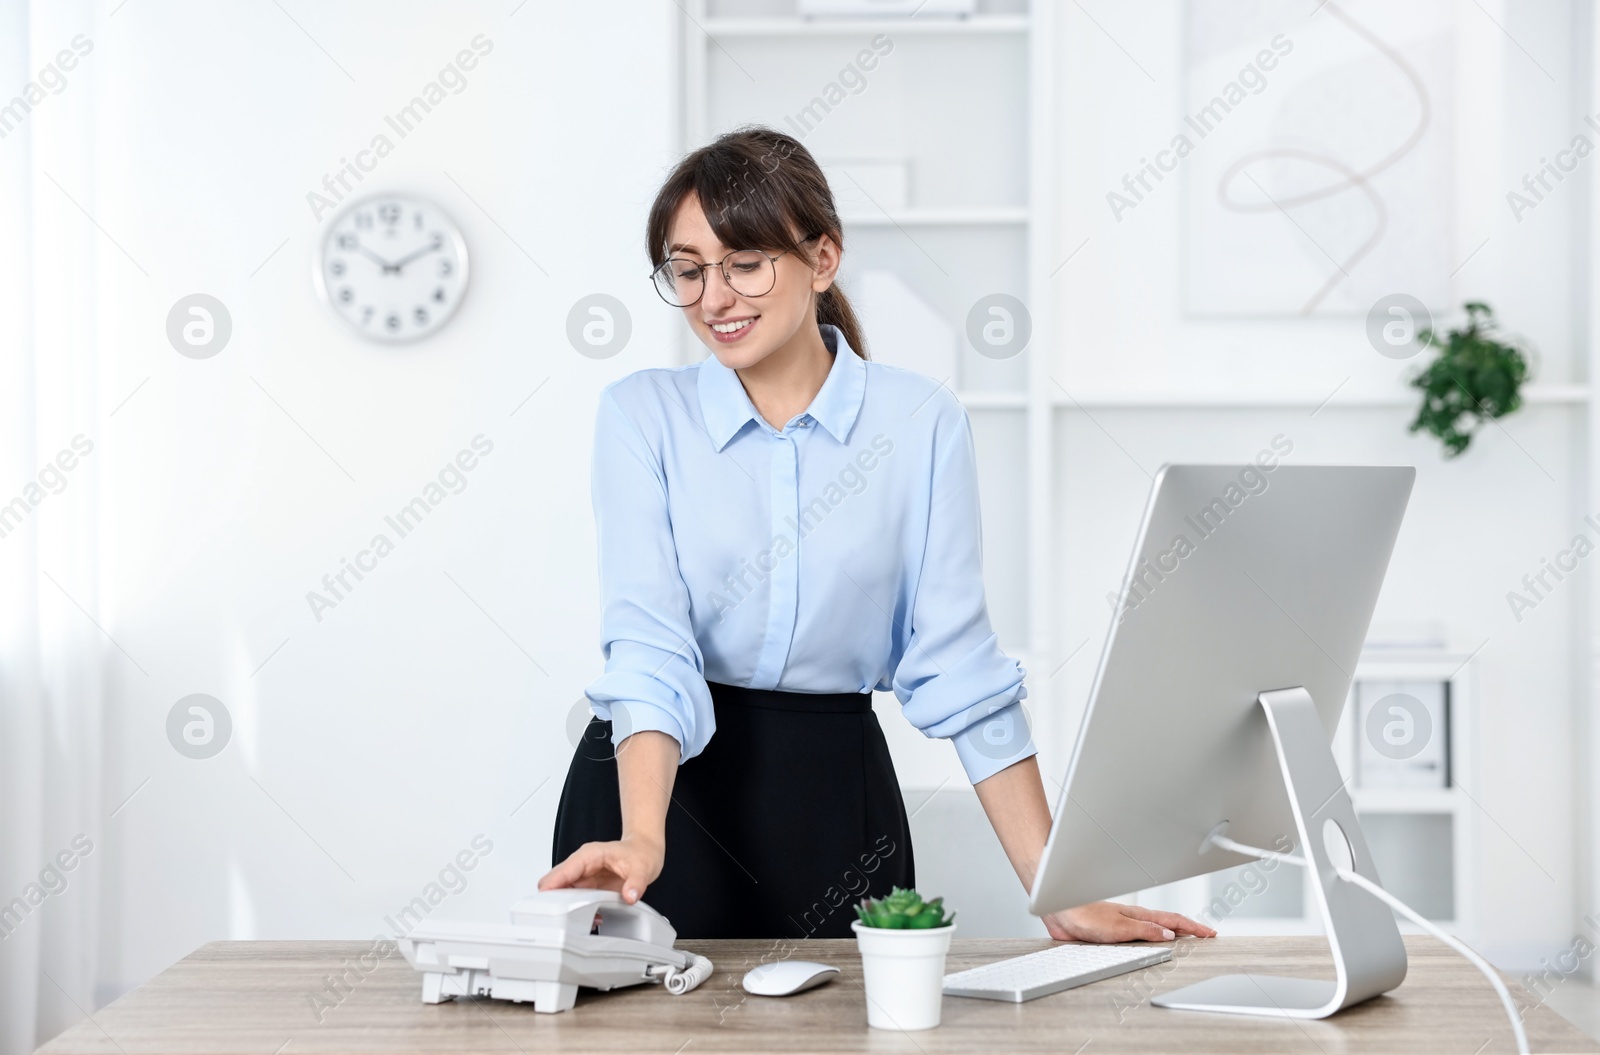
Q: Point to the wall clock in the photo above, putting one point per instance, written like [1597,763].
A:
[392,267]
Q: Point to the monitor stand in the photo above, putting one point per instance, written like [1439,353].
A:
[1368,955]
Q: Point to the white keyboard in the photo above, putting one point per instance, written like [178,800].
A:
[1052,970]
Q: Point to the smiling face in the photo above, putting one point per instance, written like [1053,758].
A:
[741,331]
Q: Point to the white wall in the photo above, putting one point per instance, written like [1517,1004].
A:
[372,746]
[376,743]
[1475,526]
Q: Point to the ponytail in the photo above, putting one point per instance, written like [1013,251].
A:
[833,307]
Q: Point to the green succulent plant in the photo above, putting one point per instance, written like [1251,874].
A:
[903,910]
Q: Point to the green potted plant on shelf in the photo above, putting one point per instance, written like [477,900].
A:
[1477,377]
[903,940]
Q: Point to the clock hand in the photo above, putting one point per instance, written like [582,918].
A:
[386,265]
[403,261]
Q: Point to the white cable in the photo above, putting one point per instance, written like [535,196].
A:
[1477,961]
[681,981]
[1222,842]
[1225,843]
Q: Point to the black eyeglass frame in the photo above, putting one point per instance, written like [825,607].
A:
[773,257]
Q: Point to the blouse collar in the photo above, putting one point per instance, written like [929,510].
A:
[726,407]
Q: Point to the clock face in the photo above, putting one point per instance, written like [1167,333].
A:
[392,267]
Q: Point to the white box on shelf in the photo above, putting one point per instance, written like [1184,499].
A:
[866,185]
[1402,733]
[847,8]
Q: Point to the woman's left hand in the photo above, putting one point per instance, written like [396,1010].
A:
[1109,921]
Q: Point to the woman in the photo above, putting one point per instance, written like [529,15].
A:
[783,528]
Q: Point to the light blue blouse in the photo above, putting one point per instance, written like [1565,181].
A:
[840,554]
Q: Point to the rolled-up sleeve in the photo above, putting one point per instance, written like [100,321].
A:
[953,680]
[655,673]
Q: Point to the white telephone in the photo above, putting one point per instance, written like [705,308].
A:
[557,940]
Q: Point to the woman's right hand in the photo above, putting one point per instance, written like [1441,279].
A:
[628,866]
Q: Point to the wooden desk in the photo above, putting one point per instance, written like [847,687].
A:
[255,998]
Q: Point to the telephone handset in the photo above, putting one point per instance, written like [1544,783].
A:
[557,940]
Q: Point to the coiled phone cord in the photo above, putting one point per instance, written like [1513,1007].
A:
[680,980]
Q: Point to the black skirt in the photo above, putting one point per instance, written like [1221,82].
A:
[789,817]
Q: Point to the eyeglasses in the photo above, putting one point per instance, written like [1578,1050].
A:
[749,273]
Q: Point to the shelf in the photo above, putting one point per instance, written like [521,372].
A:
[1406,800]
[838,27]
[1533,395]
[975,217]
[993,400]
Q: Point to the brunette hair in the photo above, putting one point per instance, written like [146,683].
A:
[755,184]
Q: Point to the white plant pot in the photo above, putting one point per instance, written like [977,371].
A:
[904,973]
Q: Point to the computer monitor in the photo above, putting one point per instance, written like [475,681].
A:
[1230,655]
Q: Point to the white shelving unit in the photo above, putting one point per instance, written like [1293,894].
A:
[756,61]
[965,232]
[1408,830]
[1428,813]
[1033,477]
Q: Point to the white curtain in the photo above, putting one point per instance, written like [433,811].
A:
[52,818]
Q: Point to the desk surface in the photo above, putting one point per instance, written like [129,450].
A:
[260,998]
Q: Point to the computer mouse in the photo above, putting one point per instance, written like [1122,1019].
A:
[786,977]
